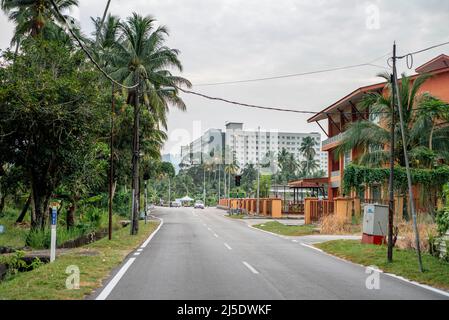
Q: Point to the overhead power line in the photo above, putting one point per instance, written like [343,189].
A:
[293,75]
[279,109]
[423,50]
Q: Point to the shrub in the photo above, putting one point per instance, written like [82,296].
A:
[442,221]
[334,224]
[41,239]
[427,230]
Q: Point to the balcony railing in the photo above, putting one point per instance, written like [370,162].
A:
[333,139]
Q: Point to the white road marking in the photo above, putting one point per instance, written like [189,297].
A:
[136,253]
[311,247]
[295,241]
[227,246]
[215,235]
[153,234]
[250,267]
[209,229]
[444,293]
[111,285]
[139,250]
[106,291]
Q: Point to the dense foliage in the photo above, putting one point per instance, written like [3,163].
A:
[356,177]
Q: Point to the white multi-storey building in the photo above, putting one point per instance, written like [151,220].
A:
[208,148]
[248,146]
[253,146]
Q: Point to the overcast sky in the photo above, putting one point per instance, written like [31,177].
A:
[225,40]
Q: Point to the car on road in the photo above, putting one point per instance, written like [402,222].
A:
[176,204]
[199,205]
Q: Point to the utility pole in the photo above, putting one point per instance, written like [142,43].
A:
[169,192]
[219,182]
[204,173]
[258,173]
[111,163]
[407,164]
[391,181]
[145,202]
[135,164]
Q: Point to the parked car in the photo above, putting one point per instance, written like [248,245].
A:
[176,204]
[199,205]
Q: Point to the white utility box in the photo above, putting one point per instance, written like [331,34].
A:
[375,220]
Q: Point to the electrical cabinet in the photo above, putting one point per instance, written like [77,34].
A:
[375,220]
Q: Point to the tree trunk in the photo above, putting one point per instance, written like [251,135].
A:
[39,206]
[70,217]
[24,210]
[2,203]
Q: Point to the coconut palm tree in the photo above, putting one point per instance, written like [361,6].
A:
[309,166]
[287,165]
[105,38]
[32,17]
[141,54]
[141,57]
[421,112]
[307,147]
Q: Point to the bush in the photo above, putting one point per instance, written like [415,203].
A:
[442,221]
[427,230]
[41,239]
[333,224]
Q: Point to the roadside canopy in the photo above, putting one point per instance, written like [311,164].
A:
[186,199]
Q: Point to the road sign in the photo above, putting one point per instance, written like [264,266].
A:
[54,220]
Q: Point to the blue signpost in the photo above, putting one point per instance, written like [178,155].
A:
[54,219]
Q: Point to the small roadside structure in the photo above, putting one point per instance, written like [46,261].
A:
[185,201]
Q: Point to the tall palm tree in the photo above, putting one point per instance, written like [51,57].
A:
[421,113]
[288,165]
[140,56]
[31,17]
[307,147]
[105,38]
[309,164]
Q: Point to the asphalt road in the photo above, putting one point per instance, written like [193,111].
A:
[202,255]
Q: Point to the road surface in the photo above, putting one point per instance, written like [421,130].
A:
[202,255]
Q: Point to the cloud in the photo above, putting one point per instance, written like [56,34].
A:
[223,40]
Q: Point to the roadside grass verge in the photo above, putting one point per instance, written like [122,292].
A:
[14,236]
[282,229]
[404,263]
[95,262]
[236,216]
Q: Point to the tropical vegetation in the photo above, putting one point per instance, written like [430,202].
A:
[57,111]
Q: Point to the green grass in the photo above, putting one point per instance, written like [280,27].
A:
[13,236]
[95,262]
[236,216]
[404,263]
[285,230]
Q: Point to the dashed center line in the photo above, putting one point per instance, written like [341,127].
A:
[295,241]
[215,235]
[250,267]
[227,246]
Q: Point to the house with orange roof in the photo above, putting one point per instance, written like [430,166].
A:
[334,119]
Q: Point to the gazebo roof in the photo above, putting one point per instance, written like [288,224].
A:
[309,183]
